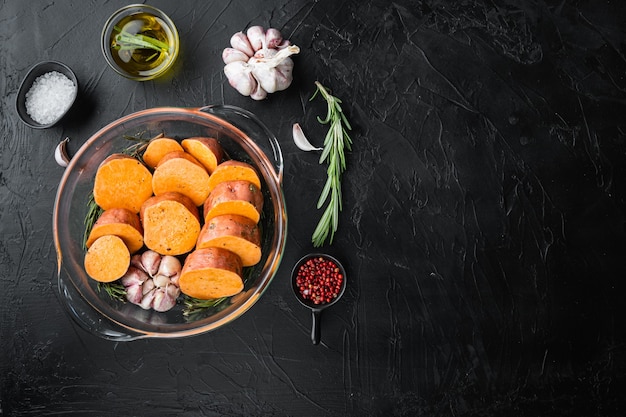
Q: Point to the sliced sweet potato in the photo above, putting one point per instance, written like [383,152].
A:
[211,273]
[159,147]
[107,259]
[118,222]
[232,170]
[234,197]
[180,172]
[171,223]
[122,182]
[235,233]
[207,151]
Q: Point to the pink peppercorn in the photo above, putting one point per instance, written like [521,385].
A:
[319,280]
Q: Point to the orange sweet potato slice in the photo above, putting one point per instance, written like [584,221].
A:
[122,182]
[180,172]
[237,234]
[118,222]
[234,197]
[232,170]
[207,151]
[211,273]
[171,223]
[107,259]
[159,147]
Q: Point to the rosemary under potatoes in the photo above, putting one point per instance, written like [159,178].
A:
[336,142]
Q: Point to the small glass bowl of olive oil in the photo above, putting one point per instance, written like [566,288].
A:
[140,42]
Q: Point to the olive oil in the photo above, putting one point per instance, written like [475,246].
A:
[142,44]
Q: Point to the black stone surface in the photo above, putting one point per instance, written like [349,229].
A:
[483,224]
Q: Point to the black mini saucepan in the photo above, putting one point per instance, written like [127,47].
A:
[322,283]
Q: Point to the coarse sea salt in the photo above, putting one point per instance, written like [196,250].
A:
[49,97]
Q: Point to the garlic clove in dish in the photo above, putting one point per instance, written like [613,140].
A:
[151,281]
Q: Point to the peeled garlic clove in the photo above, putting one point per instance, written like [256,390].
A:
[300,139]
[240,41]
[60,153]
[256,37]
[273,38]
[231,55]
[150,260]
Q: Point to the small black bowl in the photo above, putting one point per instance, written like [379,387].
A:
[316,309]
[36,71]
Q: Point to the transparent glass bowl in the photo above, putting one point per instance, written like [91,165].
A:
[124,63]
[244,138]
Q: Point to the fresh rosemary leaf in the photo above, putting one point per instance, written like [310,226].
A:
[336,141]
[115,290]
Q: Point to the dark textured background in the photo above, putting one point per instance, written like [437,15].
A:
[483,227]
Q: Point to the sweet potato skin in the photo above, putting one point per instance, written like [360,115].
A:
[122,182]
[234,197]
[180,172]
[207,151]
[171,223]
[211,273]
[119,222]
[235,233]
[107,259]
[233,170]
[159,147]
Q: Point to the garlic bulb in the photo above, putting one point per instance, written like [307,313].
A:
[151,281]
[258,62]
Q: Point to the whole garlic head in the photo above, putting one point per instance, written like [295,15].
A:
[258,62]
[151,281]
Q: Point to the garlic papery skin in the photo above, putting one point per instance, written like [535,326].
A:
[274,72]
[259,62]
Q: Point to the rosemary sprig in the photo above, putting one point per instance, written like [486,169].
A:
[93,212]
[337,140]
[115,290]
[196,305]
[125,41]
